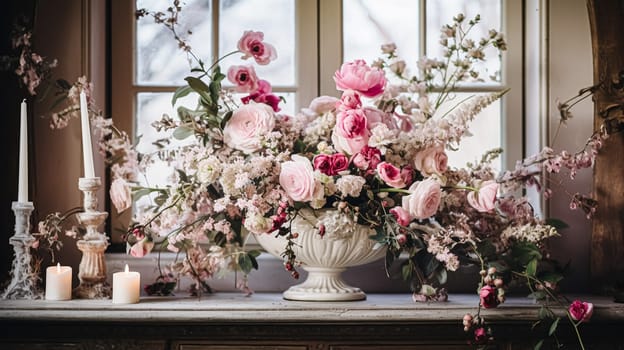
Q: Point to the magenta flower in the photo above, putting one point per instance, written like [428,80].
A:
[488,297]
[251,44]
[581,311]
[480,336]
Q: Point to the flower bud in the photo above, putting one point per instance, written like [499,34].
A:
[498,283]
[491,270]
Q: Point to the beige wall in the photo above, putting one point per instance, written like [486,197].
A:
[64,32]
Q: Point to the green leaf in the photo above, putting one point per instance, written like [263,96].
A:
[553,326]
[214,88]
[179,93]
[531,268]
[406,272]
[557,223]
[254,253]
[225,119]
[200,87]
[182,132]
[524,252]
[552,277]
[245,263]
[63,84]
[538,345]
[182,175]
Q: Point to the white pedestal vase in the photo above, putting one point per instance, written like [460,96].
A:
[343,245]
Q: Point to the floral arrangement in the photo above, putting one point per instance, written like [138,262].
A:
[377,154]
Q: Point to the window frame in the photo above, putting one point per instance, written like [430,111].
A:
[318,54]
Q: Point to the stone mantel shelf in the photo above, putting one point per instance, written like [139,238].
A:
[271,308]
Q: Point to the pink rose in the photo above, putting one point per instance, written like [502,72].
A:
[323,163]
[374,117]
[406,175]
[480,336]
[424,200]
[340,162]
[297,179]
[323,104]
[391,175]
[488,296]
[432,160]
[367,158]
[263,95]
[248,125]
[331,164]
[120,194]
[244,77]
[349,100]
[401,215]
[349,145]
[251,45]
[358,76]
[142,248]
[484,200]
[351,124]
[581,311]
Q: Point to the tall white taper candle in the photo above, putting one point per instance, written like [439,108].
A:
[87,152]
[22,189]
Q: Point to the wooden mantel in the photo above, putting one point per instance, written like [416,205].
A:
[228,321]
[607,249]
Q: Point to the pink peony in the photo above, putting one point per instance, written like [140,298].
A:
[484,200]
[349,100]
[297,179]
[424,200]
[581,311]
[251,45]
[248,125]
[401,215]
[244,77]
[358,76]
[351,124]
[391,175]
[432,160]
[488,296]
[120,194]
[141,248]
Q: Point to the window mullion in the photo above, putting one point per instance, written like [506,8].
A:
[330,44]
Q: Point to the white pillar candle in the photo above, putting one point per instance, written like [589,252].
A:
[87,152]
[126,287]
[22,187]
[58,282]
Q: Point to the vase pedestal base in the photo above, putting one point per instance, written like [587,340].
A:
[324,284]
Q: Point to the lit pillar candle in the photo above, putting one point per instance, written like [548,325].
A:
[87,152]
[126,287]
[58,282]
[22,189]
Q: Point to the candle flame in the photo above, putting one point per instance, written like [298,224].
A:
[127,270]
[58,267]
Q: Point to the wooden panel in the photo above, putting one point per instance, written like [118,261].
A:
[607,249]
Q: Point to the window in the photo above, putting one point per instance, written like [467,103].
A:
[313,38]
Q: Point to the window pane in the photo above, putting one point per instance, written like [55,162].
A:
[485,129]
[368,24]
[440,13]
[276,19]
[159,60]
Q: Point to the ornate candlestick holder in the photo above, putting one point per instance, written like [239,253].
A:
[92,269]
[24,280]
